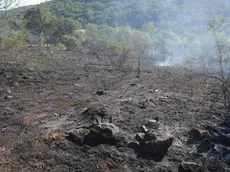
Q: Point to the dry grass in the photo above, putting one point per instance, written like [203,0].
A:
[38,164]
[54,136]
[64,104]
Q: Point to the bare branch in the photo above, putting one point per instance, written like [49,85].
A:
[6,10]
[215,27]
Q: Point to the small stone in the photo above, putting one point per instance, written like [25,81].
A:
[155,150]
[8,97]
[197,134]
[110,128]
[190,167]
[4,129]
[151,91]
[152,121]
[25,77]
[153,124]
[141,105]
[105,134]
[144,129]
[110,119]
[156,146]
[140,137]
[126,101]
[56,114]
[132,84]
[100,92]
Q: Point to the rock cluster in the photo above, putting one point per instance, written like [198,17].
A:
[150,147]
[145,144]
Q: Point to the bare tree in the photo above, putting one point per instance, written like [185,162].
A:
[141,48]
[222,53]
[6,6]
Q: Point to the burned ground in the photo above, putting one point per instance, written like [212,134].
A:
[40,108]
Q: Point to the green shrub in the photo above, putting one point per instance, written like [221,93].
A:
[59,46]
[132,68]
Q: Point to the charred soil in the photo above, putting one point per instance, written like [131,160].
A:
[78,114]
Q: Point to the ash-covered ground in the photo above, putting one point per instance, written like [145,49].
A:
[79,114]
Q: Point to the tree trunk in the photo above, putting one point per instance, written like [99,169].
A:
[139,67]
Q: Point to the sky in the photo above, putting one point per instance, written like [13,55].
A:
[30,2]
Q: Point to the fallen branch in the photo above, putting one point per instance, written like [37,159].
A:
[125,91]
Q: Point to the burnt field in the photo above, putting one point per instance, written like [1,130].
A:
[78,114]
